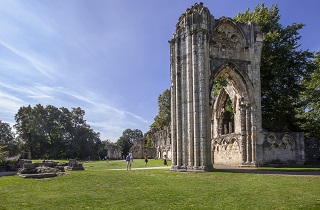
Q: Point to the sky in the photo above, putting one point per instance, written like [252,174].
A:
[109,57]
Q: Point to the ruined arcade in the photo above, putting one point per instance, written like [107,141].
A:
[202,50]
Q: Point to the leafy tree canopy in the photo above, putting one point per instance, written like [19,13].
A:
[164,111]
[51,132]
[283,67]
[126,140]
[310,112]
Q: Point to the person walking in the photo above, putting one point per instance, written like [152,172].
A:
[129,160]
[146,160]
[165,160]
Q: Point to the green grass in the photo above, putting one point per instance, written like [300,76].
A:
[98,187]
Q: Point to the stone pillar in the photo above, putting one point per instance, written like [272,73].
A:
[178,105]
[248,133]
[230,127]
[184,100]
[225,129]
[174,66]
[243,132]
[195,72]
[253,147]
[220,124]
[203,98]
[208,163]
[190,100]
[192,114]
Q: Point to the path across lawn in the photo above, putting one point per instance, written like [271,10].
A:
[234,169]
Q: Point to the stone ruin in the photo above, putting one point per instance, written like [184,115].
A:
[160,145]
[113,152]
[202,133]
[46,169]
[162,141]
[203,50]
[75,165]
[140,150]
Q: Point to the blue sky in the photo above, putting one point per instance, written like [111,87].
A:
[109,57]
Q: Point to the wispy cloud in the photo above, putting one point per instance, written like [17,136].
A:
[37,64]
[109,120]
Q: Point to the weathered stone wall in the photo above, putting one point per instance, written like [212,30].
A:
[113,152]
[137,150]
[160,145]
[282,148]
[226,150]
[163,143]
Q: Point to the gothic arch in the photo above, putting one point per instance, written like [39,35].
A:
[240,90]
[235,77]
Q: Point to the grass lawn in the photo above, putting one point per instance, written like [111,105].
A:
[98,187]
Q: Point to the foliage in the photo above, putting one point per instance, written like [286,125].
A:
[7,139]
[310,114]
[126,140]
[3,155]
[102,188]
[283,66]
[219,83]
[164,111]
[102,149]
[50,132]
[148,142]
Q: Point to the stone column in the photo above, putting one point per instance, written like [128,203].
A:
[253,137]
[208,161]
[184,100]
[225,129]
[190,100]
[220,124]
[178,106]
[248,132]
[195,101]
[243,132]
[230,127]
[202,98]
[174,66]
[253,147]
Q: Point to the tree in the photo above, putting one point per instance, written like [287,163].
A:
[164,111]
[24,126]
[50,132]
[7,139]
[6,134]
[310,113]
[283,67]
[126,140]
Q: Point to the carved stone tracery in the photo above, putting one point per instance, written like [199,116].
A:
[227,36]
[272,142]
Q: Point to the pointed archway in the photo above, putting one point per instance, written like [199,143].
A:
[232,141]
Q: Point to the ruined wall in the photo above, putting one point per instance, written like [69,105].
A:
[137,150]
[282,148]
[160,145]
[113,152]
[227,150]
[203,49]
[163,143]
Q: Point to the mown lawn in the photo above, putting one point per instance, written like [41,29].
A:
[98,187]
